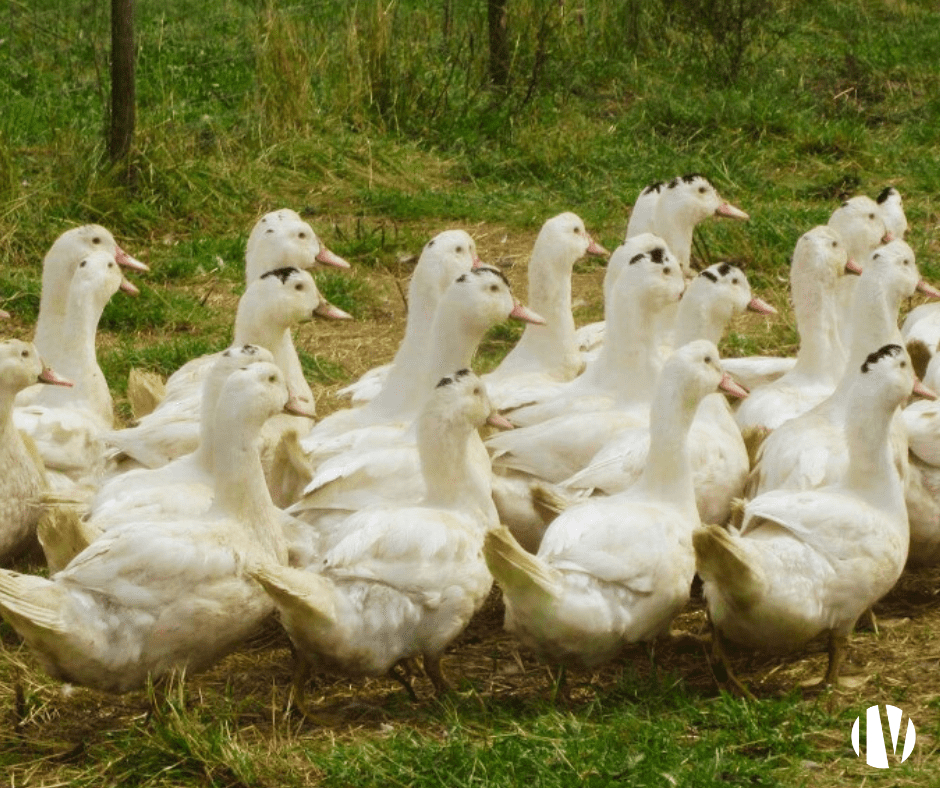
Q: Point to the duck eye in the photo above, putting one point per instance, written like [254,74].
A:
[96,240]
[272,378]
[667,270]
[734,281]
[708,359]
[459,250]
[871,216]
[494,288]
[301,235]
[476,390]
[903,364]
[25,354]
[298,287]
[702,190]
[82,264]
[834,244]
[269,231]
[906,261]
[577,230]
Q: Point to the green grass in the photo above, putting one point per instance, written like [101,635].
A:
[374,121]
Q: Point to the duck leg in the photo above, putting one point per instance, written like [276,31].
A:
[401,672]
[721,666]
[432,667]
[838,644]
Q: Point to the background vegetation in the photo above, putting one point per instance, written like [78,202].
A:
[377,120]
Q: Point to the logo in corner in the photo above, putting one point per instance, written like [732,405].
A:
[876,753]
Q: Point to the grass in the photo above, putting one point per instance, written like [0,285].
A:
[374,121]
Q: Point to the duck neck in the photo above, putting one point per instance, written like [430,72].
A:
[821,355]
[695,320]
[241,492]
[668,471]
[453,341]
[629,362]
[676,229]
[872,475]
[553,345]
[444,448]
[874,318]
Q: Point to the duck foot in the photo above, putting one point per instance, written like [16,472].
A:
[721,668]
[298,696]
[838,646]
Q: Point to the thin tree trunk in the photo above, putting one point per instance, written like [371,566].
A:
[496,17]
[123,112]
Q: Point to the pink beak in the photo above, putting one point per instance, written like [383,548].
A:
[730,386]
[326,309]
[928,290]
[520,312]
[298,407]
[760,306]
[4,314]
[851,267]
[496,420]
[123,258]
[327,257]
[129,288]
[729,211]
[887,238]
[48,376]
[595,248]
[922,391]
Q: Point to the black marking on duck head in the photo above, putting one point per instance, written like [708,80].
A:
[281,273]
[658,255]
[724,269]
[461,373]
[429,244]
[886,192]
[487,269]
[636,258]
[882,352]
[709,275]
[688,178]
[445,381]
[653,187]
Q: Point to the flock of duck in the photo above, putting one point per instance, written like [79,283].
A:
[376,533]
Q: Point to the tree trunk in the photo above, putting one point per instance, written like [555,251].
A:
[122,79]
[496,18]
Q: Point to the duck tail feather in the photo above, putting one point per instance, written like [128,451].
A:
[31,603]
[293,589]
[517,570]
[720,558]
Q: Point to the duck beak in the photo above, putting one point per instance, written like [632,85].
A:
[922,391]
[760,306]
[595,248]
[49,376]
[520,312]
[4,314]
[499,421]
[129,288]
[732,387]
[327,257]
[851,267]
[729,211]
[476,262]
[295,406]
[887,238]
[123,258]
[326,309]
[927,289]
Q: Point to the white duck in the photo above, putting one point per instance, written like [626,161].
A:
[68,424]
[58,266]
[819,262]
[718,455]
[445,257]
[22,477]
[546,353]
[184,486]
[282,239]
[811,562]
[473,303]
[270,307]
[589,591]
[625,369]
[151,597]
[406,579]
[810,451]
